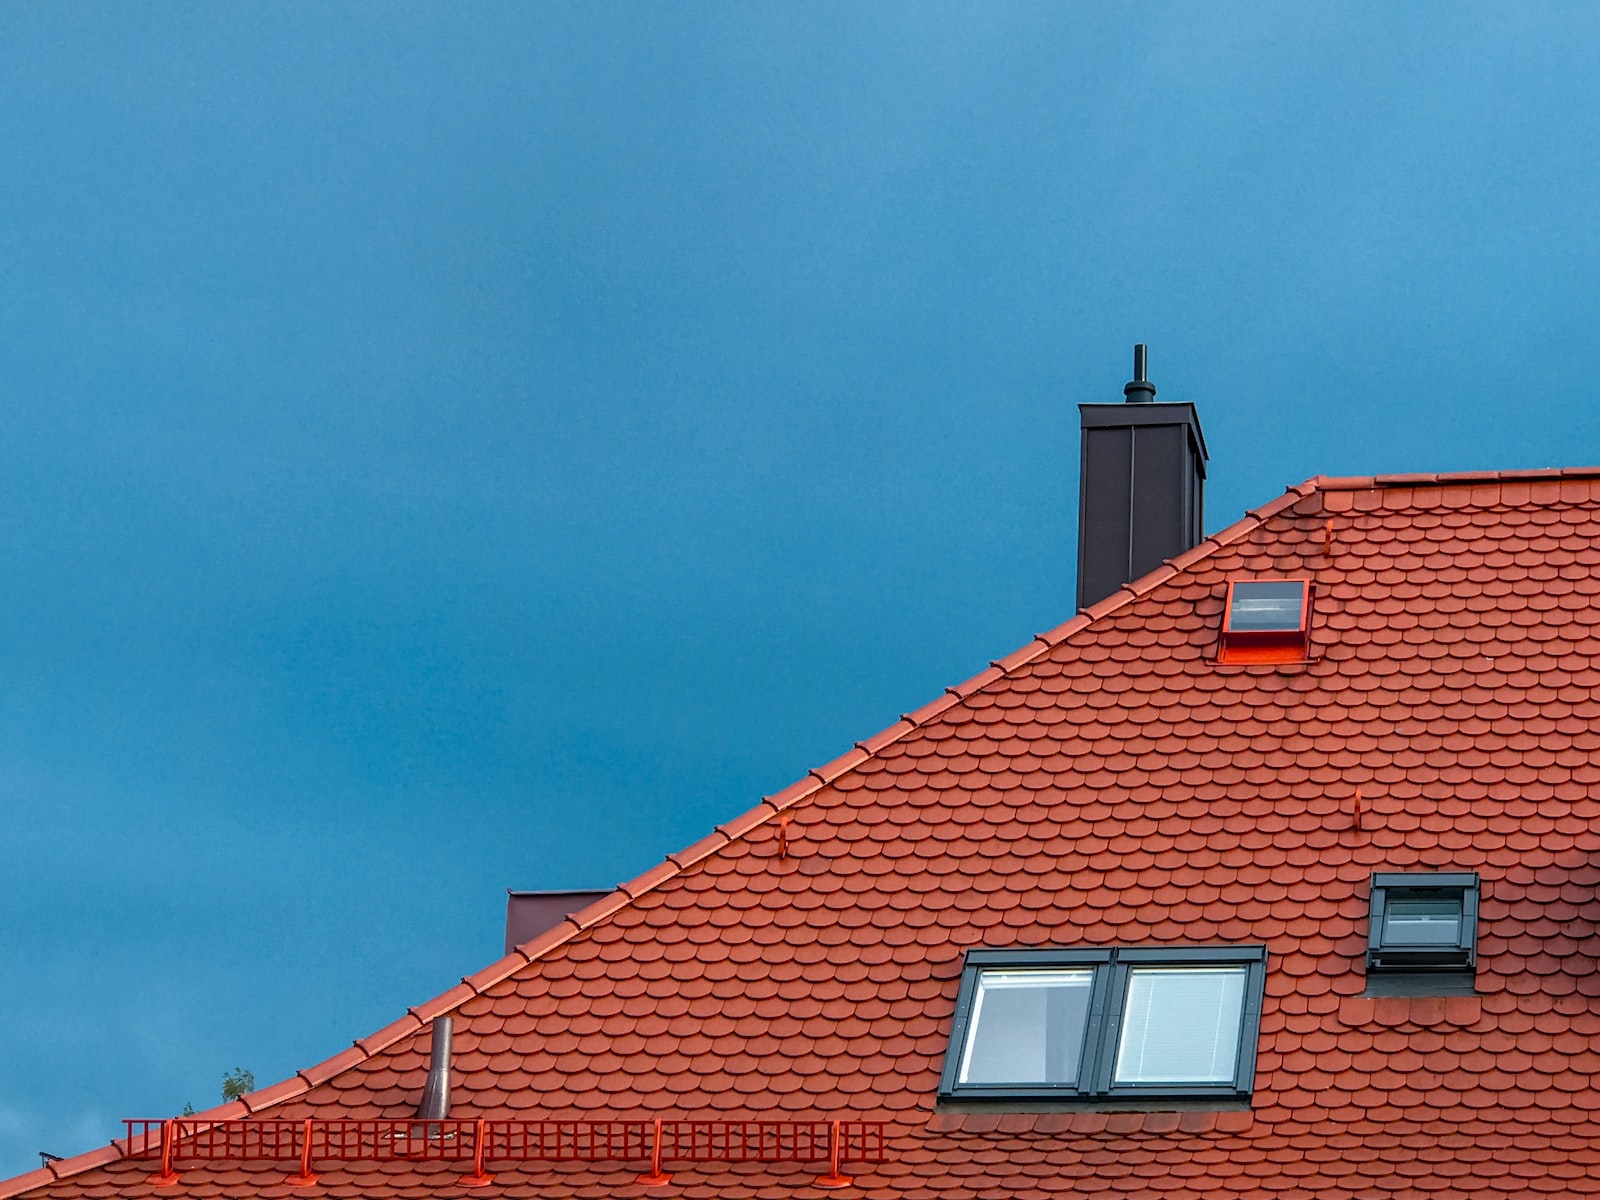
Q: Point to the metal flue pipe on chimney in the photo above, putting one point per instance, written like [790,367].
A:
[1139,389]
[435,1104]
[1141,487]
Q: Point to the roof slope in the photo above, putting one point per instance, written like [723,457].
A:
[1107,784]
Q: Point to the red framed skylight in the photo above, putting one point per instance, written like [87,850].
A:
[1266,621]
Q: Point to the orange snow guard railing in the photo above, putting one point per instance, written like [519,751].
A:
[658,1142]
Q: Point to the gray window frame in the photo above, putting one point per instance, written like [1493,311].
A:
[1103,1025]
[1391,958]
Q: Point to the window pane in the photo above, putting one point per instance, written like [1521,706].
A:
[1422,921]
[1266,606]
[1027,1026]
[1181,1025]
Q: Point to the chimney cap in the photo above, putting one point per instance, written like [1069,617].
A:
[1139,389]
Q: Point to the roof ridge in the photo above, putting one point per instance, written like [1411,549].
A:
[1358,483]
[418,1016]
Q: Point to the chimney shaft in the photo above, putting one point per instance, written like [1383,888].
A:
[1141,487]
[435,1104]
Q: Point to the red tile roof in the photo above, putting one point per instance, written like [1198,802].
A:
[1107,784]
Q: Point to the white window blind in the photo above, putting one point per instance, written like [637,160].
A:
[1181,1025]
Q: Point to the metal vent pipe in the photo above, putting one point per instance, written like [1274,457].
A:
[435,1104]
[1139,389]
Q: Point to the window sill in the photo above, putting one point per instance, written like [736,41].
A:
[1062,1121]
[1422,983]
[1098,1104]
[1294,667]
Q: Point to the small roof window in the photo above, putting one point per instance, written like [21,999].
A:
[1424,925]
[1266,621]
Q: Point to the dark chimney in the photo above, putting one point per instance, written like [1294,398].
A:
[435,1104]
[1141,487]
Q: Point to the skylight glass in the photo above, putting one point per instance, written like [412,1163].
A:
[1423,920]
[1267,607]
[1027,1026]
[1182,1025]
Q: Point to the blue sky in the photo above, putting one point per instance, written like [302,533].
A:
[448,448]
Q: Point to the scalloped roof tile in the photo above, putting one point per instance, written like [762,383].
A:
[1107,782]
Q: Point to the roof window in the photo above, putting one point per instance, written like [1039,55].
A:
[1266,621]
[1106,1024]
[1424,930]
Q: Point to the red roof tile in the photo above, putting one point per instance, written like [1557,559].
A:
[1106,783]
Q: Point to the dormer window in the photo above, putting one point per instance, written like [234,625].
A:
[1424,929]
[1266,621]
